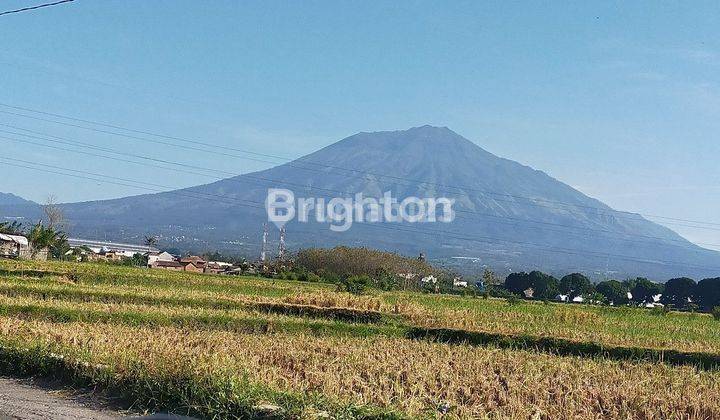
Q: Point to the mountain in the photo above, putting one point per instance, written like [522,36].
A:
[8,199]
[510,217]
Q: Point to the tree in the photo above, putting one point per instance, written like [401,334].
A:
[643,290]
[11,228]
[614,291]
[54,213]
[489,278]
[150,241]
[42,237]
[575,285]
[679,292]
[518,282]
[544,286]
[707,293]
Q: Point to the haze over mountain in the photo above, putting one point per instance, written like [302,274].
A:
[509,216]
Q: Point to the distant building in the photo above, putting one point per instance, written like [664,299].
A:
[14,246]
[458,282]
[99,246]
[168,265]
[214,267]
[18,246]
[196,261]
[154,257]
[191,267]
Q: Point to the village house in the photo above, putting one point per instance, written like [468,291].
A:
[458,282]
[191,267]
[14,246]
[216,267]
[153,257]
[168,265]
[193,263]
[17,246]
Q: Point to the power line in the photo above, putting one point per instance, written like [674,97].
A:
[299,162]
[39,6]
[431,232]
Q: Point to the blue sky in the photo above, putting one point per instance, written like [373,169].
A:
[619,100]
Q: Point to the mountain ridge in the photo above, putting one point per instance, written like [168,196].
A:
[12,199]
[515,209]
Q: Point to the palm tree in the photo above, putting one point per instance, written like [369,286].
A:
[42,237]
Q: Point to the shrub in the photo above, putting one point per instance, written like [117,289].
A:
[513,300]
[356,285]
[313,278]
[660,310]
[716,312]
[499,293]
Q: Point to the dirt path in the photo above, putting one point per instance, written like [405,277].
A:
[31,400]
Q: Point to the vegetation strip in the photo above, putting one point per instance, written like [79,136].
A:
[562,347]
[250,324]
[310,311]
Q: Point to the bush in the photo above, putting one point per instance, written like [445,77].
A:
[313,278]
[660,310]
[513,300]
[716,312]
[385,280]
[356,285]
[498,292]
[287,275]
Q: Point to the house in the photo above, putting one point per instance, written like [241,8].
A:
[429,280]
[196,261]
[105,254]
[14,246]
[457,282]
[190,266]
[17,246]
[168,265]
[213,267]
[153,257]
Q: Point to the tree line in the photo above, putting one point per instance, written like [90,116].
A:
[679,293]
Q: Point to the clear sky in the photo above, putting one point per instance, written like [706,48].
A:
[620,100]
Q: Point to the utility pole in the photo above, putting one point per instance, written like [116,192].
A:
[263,253]
[281,248]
